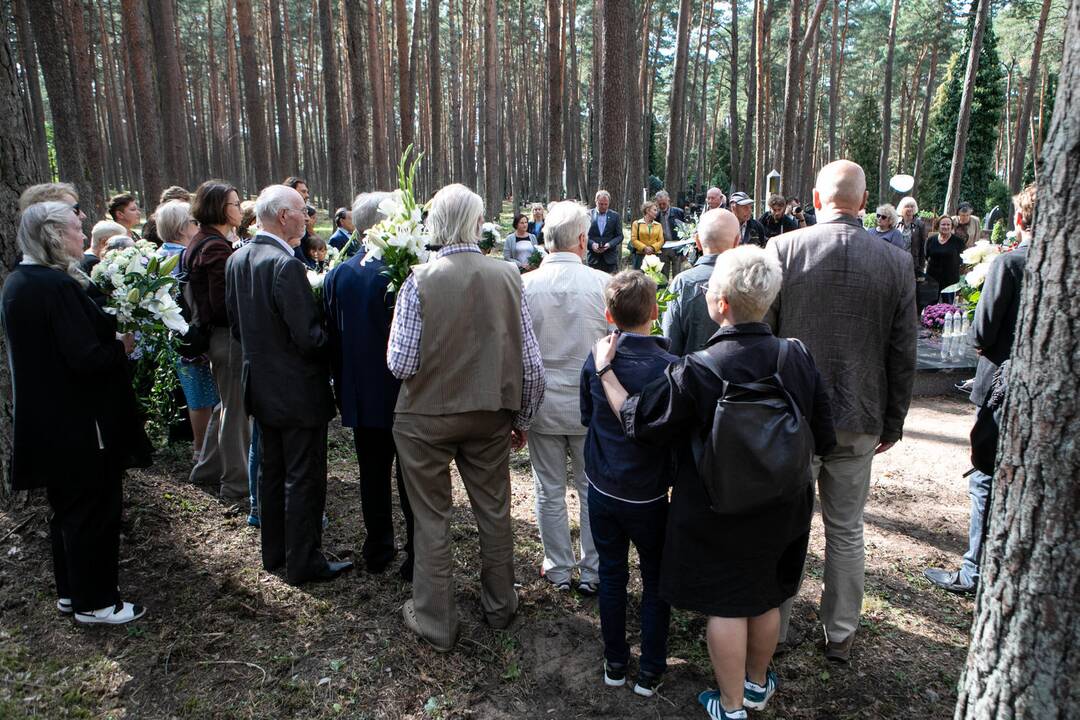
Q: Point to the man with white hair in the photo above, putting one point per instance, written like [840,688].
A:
[286,386]
[103,231]
[462,343]
[669,218]
[686,321]
[851,299]
[567,302]
[714,198]
[605,235]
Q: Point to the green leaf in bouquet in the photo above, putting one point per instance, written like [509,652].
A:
[169,264]
[152,265]
[955,287]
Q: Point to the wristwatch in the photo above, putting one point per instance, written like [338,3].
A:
[601,371]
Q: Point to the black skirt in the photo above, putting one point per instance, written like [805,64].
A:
[732,565]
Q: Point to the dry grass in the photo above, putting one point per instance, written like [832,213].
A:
[225,640]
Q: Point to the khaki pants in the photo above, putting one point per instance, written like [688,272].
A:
[224,456]
[843,483]
[548,456]
[479,442]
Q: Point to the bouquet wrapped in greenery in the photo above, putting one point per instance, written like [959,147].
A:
[653,266]
[399,240]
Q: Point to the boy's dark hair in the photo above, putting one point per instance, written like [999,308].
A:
[630,296]
[314,243]
[208,205]
[119,202]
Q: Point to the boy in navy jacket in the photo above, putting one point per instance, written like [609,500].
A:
[628,485]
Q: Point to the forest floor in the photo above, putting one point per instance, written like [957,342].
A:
[223,639]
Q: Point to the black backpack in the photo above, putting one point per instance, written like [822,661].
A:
[196,341]
[759,449]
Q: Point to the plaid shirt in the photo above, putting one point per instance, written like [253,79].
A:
[403,351]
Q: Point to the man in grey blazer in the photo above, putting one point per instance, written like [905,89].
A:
[851,299]
[286,385]
[605,235]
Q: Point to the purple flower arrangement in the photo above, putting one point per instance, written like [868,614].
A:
[933,316]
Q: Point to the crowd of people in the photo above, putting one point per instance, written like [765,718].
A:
[561,358]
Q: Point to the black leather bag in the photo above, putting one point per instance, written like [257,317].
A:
[759,449]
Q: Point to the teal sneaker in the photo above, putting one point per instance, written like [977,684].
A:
[757,696]
[710,700]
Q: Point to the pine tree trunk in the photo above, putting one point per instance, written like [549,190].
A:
[674,175]
[405,89]
[920,150]
[286,127]
[747,155]
[792,85]
[28,59]
[435,93]
[174,134]
[555,154]
[1022,662]
[614,87]
[834,87]
[379,147]
[337,159]
[359,142]
[735,175]
[233,102]
[956,170]
[1016,176]
[574,176]
[70,159]
[886,110]
[493,182]
[258,137]
[18,169]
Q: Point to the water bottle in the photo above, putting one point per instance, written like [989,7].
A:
[946,334]
[952,325]
[962,325]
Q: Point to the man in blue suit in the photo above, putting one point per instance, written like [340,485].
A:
[605,235]
[358,316]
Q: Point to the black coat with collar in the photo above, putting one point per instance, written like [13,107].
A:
[612,237]
[273,313]
[71,382]
[994,326]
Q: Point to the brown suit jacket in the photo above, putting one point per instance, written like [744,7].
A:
[851,299]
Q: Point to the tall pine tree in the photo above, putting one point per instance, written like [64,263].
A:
[986,108]
[864,139]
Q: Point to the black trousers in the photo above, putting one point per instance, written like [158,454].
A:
[292,496]
[375,456]
[85,530]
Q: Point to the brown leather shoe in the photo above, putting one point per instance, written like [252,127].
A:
[840,651]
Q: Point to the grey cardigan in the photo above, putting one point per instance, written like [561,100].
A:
[509,243]
[851,299]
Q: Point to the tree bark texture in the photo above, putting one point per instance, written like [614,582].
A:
[886,109]
[493,185]
[555,94]
[436,157]
[170,90]
[378,99]
[1016,173]
[286,134]
[614,88]
[28,58]
[674,172]
[336,157]
[259,138]
[956,169]
[92,184]
[1023,660]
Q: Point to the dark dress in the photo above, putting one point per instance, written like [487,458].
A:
[728,566]
[943,261]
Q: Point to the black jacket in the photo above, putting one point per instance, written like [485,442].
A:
[612,237]
[70,380]
[996,314]
[272,312]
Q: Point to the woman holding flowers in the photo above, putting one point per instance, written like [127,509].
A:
[943,251]
[74,426]
[646,235]
[520,245]
[176,228]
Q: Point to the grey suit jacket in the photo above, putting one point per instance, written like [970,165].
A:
[272,312]
[851,299]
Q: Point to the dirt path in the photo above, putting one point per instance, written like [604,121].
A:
[225,640]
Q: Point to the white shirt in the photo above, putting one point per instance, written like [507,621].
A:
[287,246]
[566,300]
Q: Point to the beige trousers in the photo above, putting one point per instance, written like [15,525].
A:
[479,443]
[228,437]
[843,483]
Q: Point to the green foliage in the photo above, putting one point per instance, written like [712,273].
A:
[656,149]
[1048,111]
[997,235]
[864,138]
[987,104]
[719,167]
[997,195]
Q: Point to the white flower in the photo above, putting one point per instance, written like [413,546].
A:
[979,252]
[391,206]
[977,275]
[488,227]
[315,279]
[651,262]
[173,318]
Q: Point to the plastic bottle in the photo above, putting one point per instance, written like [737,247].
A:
[946,336]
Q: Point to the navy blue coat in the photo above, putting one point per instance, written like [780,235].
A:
[358,316]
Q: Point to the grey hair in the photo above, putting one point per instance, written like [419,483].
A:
[47,192]
[171,217]
[888,211]
[602,193]
[455,216]
[566,222]
[41,237]
[904,202]
[749,279]
[271,201]
[103,230]
[365,210]
[119,242]
[661,194]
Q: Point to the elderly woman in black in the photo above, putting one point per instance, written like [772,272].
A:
[735,568]
[74,413]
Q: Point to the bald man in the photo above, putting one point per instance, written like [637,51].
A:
[686,321]
[852,302]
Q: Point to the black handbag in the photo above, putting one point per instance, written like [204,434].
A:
[196,341]
[759,449]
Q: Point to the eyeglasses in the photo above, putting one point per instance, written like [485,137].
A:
[75,208]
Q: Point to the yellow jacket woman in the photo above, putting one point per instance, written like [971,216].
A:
[646,235]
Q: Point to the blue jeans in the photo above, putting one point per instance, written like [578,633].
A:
[979,490]
[616,524]
[253,468]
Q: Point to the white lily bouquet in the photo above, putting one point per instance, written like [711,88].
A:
[140,290]
[977,259]
[141,293]
[489,235]
[399,240]
[316,276]
[653,266]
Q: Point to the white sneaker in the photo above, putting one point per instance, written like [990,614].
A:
[122,612]
[64,605]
